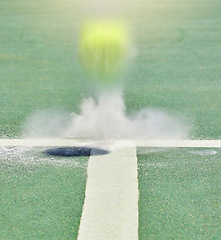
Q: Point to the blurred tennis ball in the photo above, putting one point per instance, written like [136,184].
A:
[103,49]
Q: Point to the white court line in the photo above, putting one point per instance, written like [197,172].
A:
[115,142]
[45,142]
[110,210]
[180,143]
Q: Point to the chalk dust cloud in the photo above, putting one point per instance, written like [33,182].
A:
[107,118]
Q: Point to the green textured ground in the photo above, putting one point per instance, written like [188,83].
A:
[41,196]
[177,67]
[179,193]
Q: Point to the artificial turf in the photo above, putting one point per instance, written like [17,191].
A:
[179,193]
[41,196]
[176,68]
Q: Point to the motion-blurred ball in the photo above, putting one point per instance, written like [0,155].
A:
[103,49]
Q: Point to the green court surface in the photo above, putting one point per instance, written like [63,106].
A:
[176,68]
[41,196]
[179,193]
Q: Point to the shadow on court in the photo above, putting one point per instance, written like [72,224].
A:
[75,151]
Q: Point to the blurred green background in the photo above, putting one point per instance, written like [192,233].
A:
[177,66]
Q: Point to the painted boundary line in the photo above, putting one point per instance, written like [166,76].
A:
[115,142]
[180,143]
[110,210]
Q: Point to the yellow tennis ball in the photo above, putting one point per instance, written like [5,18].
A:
[103,49]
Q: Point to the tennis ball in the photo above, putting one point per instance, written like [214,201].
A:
[103,49]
